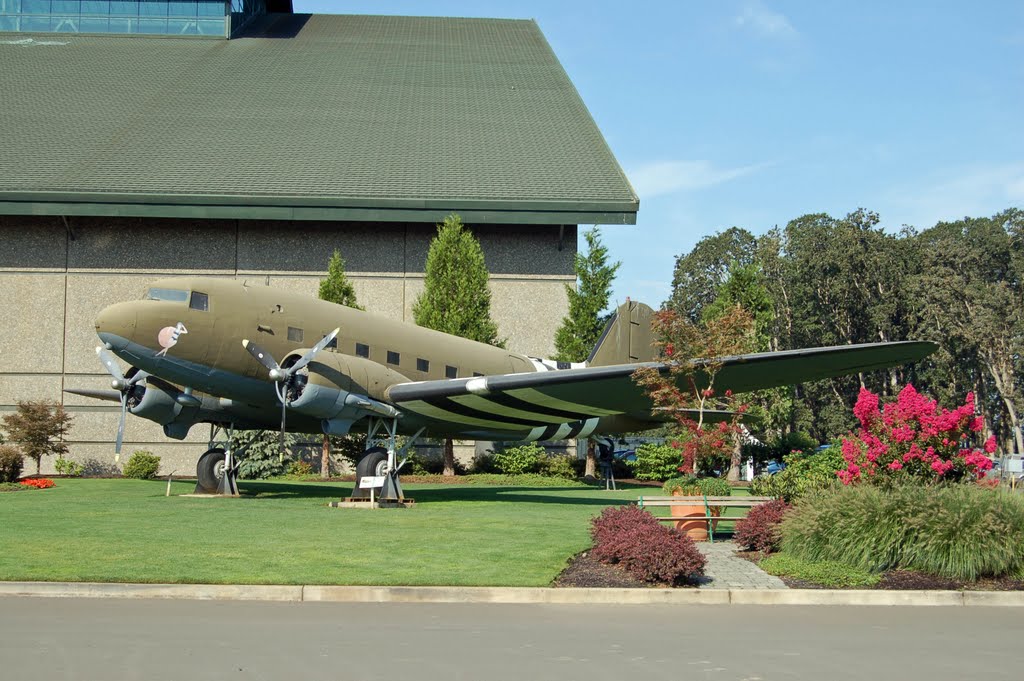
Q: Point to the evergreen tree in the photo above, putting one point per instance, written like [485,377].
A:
[335,288]
[456,298]
[582,327]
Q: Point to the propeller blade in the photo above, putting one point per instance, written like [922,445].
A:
[106,395]
[284,410]
[120,427]
[262,356]
[308,357]
[110,363]
[139,376]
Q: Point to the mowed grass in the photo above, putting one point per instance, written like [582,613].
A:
[284,533]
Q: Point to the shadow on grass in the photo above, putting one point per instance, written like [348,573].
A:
[441,494]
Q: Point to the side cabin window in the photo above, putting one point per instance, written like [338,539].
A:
[294,334]
[333,345]
[169,294]
[422,364]
[451,372]
[362,350]
[199,301]
[394,357]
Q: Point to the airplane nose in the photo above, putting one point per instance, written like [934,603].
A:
[115,325]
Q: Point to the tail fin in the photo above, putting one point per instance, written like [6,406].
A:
[627,337]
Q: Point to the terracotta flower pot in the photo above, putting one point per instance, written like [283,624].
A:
[697,529]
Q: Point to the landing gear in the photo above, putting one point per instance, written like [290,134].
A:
[217,469]
[380,461]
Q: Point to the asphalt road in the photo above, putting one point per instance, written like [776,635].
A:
[51,638]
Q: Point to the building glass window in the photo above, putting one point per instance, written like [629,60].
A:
[196,17]
[295,335]
[362,350]
[394,357]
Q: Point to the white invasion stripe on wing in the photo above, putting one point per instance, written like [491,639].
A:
[421,407]
[588,427]
[483,404]
[537,397]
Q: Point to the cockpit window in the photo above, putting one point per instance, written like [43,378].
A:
[169,294]
[200,301]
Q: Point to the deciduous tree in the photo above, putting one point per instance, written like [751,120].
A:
[38,428]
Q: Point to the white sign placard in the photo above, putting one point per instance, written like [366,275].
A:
[370,481]
[1015,465]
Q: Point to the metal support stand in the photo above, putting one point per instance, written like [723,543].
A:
[397,456]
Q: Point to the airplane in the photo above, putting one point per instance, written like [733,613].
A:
[239,356]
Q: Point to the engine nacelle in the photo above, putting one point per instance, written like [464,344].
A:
[163,407]
[342,387]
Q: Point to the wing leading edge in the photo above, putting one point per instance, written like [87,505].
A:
[555,401]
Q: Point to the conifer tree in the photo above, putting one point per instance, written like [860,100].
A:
[456,298]
[335,288]
[582,327]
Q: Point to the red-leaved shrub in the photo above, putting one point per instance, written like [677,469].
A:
[633,538]
[760,530]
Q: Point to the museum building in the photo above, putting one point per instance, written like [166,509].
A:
[144,139]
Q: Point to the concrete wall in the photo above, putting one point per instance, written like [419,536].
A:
[56,274]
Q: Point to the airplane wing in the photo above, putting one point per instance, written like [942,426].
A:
[546,398]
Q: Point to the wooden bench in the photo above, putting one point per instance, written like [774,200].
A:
[708,503]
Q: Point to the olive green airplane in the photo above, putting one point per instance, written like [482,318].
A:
[240,356]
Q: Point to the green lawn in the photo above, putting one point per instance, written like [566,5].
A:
[128,531]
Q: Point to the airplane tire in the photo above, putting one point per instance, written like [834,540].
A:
[374,462]
[210,469]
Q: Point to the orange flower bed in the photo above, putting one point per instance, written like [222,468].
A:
[38,483]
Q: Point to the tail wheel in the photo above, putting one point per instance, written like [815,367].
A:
[210,470]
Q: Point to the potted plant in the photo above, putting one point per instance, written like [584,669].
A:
[687,486]
[714,487]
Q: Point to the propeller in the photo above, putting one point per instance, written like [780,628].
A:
[283,377]
[124,387]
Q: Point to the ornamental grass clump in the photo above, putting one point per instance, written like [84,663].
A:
[955,531]
[633,538]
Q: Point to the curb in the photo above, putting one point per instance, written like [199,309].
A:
[506,595]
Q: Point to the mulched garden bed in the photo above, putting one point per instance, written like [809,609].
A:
[586,571]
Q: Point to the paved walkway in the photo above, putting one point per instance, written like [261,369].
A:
[726,570]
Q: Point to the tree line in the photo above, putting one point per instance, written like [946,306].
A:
[822,281]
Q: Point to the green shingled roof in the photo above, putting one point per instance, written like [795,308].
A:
[306,117]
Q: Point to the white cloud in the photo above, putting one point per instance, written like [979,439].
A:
[763,21]
[975,191]
[668,177]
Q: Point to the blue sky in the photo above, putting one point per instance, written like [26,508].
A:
[753,112]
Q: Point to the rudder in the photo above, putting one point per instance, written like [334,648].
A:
[627,337]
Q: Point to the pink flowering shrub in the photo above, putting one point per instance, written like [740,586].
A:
[914,437]
[634,539]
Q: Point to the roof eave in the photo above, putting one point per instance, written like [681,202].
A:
[289,208]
